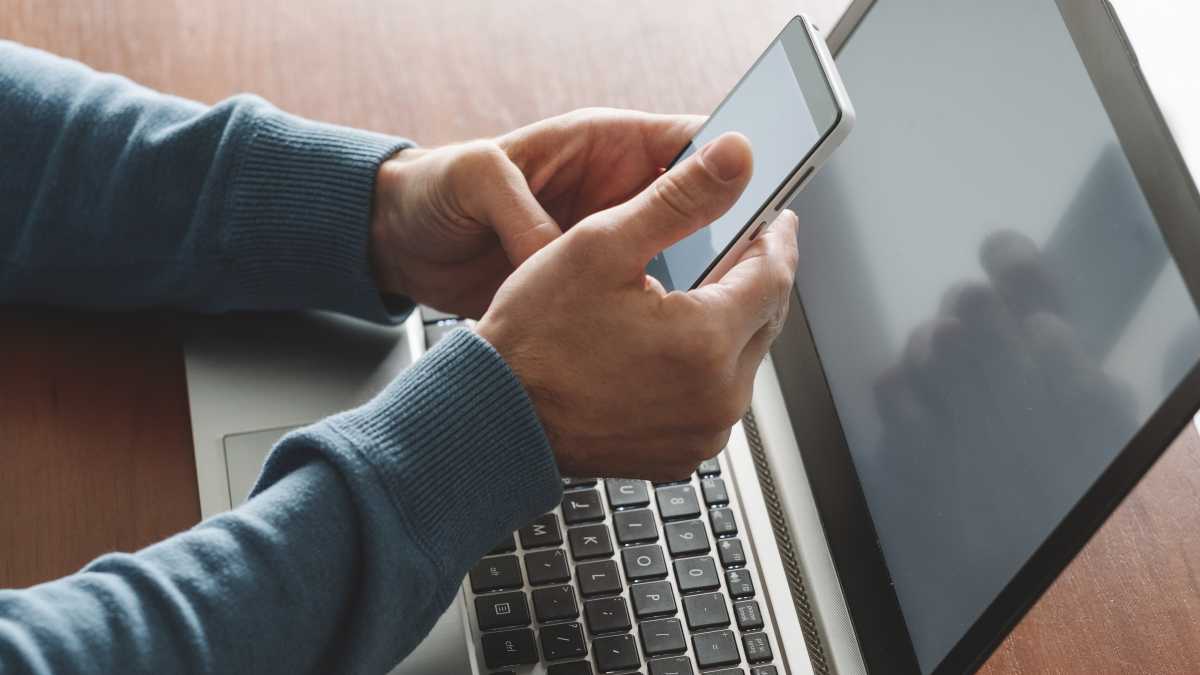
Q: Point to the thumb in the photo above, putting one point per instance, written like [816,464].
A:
[695,192]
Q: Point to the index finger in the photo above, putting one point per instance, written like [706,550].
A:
[754,293]
[668,135]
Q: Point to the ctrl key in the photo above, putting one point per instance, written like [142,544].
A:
[509,648]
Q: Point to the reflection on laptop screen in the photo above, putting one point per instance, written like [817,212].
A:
[992,301]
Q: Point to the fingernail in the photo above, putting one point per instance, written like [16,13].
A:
[725,158]
[790,215]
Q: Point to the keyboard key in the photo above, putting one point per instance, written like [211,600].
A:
[677,501]
[547,567]
[570,668]
[569,483]
[652,599]
[723,524]
[598,578]
[718,648]
[509,648]
[635,527]
[555,604]
[758,647]
[686,538]
[590,541]
[606,615]
[582,507]
[748,615]
[563,641]
[618,652]
[714,491]
[740,584]
[644,562]
[541,532]
[731,553]
[626,493]
[696,574]
[502,610]
[726,671]
[663,636]
[493,574]
[675,665]
[507,545]
[764,670]
[709,467]
[705,611]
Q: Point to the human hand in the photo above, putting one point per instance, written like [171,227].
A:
[450,224]
[627,378]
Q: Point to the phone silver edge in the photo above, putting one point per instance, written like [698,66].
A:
[803,173]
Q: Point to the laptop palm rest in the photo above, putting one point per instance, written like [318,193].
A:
[253,378]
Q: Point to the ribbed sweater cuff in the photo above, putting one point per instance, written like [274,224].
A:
[460,448]
[299,212]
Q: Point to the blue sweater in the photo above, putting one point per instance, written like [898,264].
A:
[362,526]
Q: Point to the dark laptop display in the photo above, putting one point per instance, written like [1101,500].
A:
[989,295]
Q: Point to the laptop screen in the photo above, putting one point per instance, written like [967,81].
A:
[990,297]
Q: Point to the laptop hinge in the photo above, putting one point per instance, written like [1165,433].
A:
[787,550]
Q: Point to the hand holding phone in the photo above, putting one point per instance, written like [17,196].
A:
[793,108]
[628,379]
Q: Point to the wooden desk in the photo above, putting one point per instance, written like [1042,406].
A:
[93,410]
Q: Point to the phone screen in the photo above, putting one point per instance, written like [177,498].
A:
[784,106]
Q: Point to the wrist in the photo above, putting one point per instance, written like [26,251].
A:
[386,218]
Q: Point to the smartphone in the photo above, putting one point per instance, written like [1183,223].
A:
[795,111]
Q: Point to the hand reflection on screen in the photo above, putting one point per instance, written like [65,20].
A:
[995,415]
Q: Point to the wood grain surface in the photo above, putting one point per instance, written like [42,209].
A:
[94,435]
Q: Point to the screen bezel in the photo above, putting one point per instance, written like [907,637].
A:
[795,31]
[865,582]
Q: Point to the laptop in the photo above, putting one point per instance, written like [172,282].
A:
[993,336]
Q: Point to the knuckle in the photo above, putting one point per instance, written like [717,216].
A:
[778,320]
[782,279]
[785,257]
[483,156]
[590,237]
[791,256]
[676,193]
[780,311]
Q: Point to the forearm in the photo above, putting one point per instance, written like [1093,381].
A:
[114,196]
[355,540]
[222,597]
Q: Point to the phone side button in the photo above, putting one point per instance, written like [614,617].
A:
[790,193]
[758,229]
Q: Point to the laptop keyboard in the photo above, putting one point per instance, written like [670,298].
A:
[626,576]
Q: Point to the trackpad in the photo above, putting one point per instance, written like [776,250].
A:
[444,650]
